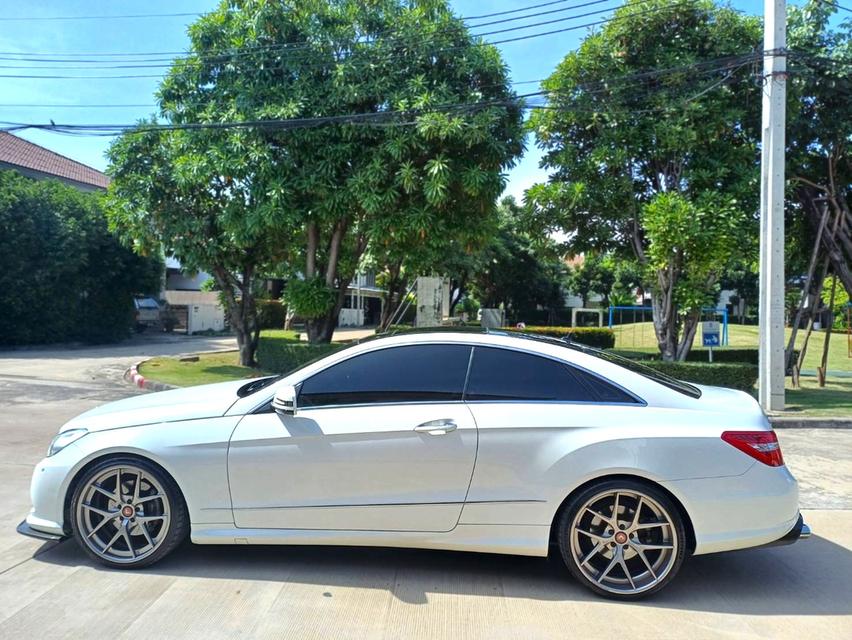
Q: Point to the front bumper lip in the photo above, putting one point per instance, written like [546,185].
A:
[800,531]
[26,530]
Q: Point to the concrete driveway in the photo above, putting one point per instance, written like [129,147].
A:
[53,591]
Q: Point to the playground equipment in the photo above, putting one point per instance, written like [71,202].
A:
[637,327]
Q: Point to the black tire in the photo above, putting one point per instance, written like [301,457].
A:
[169,531]
[575,549]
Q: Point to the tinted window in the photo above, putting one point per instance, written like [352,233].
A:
[418,373]
[603,391]
[501,374]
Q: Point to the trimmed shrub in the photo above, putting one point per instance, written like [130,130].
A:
[598,337]
[734,375]
[278,355]
[271,314]
[63,275]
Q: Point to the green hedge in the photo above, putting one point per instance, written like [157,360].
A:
[63,275]
[271,314]
[598,337]
[278,355]
[734,375]
[590,336]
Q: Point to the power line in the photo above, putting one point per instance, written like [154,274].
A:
[382,118]
[285,47]
[836,5]
[446,49]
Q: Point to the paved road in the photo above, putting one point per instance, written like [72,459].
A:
[53,591]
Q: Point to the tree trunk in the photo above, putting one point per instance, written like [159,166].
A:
[321,330]
[690,325]
[665,314]
[242,313]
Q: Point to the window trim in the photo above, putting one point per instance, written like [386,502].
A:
[299,384]
[639,402]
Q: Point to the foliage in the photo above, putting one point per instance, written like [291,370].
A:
[841,297]
[597,337]
[429,171]
[271,314]
[278,355]
[517,270]
[309,298]
[63,275]
[819,131]
[692,243]
[198,195]
[617,138]
[734,375]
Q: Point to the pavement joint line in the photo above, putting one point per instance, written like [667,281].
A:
[33,557]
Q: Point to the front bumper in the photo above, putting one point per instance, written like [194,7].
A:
[26,530]
[800,531]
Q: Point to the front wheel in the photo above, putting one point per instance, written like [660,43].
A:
[622,539]
[127,513]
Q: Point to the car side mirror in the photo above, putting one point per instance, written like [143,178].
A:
[284,401]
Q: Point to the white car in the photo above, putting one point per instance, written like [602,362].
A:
[487,442]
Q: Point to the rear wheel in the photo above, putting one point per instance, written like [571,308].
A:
[127,513]
[622,539]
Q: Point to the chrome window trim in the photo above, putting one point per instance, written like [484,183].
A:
[640,402]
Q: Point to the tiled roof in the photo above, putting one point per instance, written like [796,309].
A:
[22,153]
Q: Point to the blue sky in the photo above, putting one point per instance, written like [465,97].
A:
[532,59]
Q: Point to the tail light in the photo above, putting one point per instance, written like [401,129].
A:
[761,445]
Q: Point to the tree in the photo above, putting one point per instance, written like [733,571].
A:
[424,163]
[819,161]
[201,196]
[517,270]
[63,275]
[641,127]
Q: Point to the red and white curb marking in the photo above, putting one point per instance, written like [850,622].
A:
[135,378]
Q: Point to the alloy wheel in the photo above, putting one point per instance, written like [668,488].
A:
[623,541]
[123,514]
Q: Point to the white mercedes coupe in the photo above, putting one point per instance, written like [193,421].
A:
[473,441]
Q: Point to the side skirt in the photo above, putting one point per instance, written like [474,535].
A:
[522,540]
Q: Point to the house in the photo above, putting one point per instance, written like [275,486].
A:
[34,161]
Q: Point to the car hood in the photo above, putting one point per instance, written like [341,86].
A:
[192,403]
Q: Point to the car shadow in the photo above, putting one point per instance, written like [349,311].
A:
[811,577]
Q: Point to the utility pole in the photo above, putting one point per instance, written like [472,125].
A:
[771,309]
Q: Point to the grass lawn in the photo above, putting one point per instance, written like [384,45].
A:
[835,399]
[639,336]
[210,367]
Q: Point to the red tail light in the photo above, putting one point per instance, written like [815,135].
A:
[761,445]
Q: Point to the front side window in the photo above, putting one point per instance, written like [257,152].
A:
[412,373]
[501,375]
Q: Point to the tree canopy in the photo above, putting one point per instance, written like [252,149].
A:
[656,114]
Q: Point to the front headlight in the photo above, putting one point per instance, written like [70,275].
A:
[63,439]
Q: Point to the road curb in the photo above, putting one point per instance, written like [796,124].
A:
[779,422]
[135,378]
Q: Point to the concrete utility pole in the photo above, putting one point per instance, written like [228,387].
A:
[771,310]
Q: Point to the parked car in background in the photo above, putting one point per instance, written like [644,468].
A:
[147,313]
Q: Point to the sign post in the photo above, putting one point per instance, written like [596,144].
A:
[710,336]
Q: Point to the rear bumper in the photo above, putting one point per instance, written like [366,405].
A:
[800,531]
[26,530]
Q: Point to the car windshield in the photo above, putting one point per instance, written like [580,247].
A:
[636,367]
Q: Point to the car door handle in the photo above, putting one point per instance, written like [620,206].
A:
[436,427]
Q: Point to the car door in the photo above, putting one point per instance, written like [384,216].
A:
[380,441]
